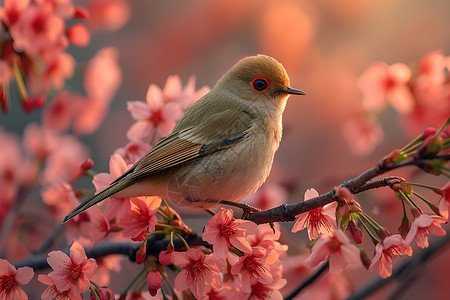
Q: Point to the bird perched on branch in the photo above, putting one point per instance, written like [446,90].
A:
[221,150]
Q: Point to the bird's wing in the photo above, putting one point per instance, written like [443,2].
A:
[220,131]
[229,128]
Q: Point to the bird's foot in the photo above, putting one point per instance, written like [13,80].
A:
[246,209]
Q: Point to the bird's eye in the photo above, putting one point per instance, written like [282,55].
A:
[260,84]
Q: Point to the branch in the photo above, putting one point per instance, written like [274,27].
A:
[155,244]
[287,212]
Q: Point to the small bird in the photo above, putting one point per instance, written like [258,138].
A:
[221,150]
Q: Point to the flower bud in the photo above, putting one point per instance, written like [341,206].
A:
[154,281]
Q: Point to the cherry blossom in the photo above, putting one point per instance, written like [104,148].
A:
[163,108]
[153,116]
[107,15]
[223,230]
[58,113]
[133,151]
[199,271]
[319,220]
[52,293]
[255,265]
[38,29]
[141,219]
[60,196]
[363,134]
[381,82]
[422,226]
[444,202]
[102,78]
[39,141]
[386,250]
[268,196]
[338,248]
[11,279]
[65,161]
[71,273]
[116,207]
[105,266]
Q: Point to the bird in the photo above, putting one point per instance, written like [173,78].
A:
[221,149]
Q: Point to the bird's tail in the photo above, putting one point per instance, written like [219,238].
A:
[109,191]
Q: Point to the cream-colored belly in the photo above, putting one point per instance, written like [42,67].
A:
[228,175]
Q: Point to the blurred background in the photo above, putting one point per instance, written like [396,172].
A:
[324,45]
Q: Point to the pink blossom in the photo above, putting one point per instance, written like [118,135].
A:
[362,134]
[199,271]
[267,237]
[255,265]
[444,202]
[107,15]
[422,226]
[52,293]
[431,91]
[65,161]
[102,78]
[271,290]
[60,196]
[116,207]
[268,196]
[12,10]
[11,279]
[59,67]
[71,273]
[155,115]
[10,165]
[57,114]
[141,219]
[105,266]
[154,281]
[386,250]
[174,92]
[37,30]
[78,35]
[165,257]
[338,248]
[133,151]
[223,230]
[381,82]
[319,220]
[38,141]
[163,108]
[91,226]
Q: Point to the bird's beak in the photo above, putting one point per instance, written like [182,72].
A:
[293,91]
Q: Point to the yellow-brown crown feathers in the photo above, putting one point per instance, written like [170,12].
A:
[255,75]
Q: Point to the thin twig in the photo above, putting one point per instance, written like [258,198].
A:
[308,281]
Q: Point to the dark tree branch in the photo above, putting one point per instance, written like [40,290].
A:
[155,244]
[308,281]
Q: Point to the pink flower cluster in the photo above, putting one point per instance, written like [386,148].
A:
[420,96]
[251,252]
[35,50]
[341,248]
[70,277]
[156,118]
